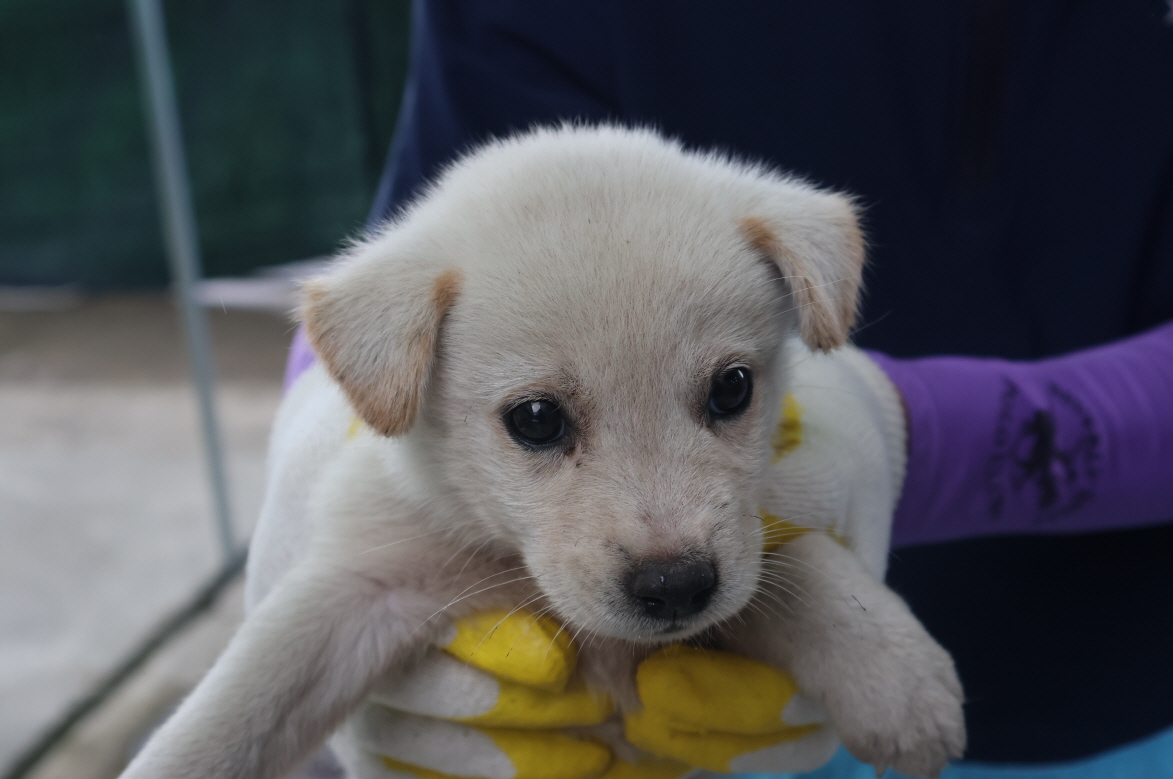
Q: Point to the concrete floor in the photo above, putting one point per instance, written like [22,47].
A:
[105,518]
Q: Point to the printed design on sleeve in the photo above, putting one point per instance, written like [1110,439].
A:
[1046,454]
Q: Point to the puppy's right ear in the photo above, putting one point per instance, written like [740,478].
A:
[374,322]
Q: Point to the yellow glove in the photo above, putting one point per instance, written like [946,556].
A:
[837,455]
[493,702]
[726,713]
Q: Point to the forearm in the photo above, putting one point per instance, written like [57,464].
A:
[1082,442]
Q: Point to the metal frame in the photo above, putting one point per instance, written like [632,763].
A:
[173,191]
[182,237]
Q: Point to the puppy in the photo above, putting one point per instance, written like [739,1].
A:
[567,358]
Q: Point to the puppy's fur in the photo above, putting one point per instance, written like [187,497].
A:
[614,274]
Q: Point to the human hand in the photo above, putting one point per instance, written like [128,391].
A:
[837,455]
[726,713]
[495,700]
[501,700]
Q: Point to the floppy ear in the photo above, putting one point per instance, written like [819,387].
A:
[374,322]
[817,244]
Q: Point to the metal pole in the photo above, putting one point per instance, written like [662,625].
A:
[179,228]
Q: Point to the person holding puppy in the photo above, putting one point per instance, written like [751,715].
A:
[1016,167]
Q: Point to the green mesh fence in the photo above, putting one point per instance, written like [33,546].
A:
[287,108]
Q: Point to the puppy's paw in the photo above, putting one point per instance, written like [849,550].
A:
[904,710]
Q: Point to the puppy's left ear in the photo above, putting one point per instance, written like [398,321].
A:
[815,240]
[375,322]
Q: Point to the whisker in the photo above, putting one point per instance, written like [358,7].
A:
[780,578]
[561,627]
[490,576]
[775,596]
[792,594]
[761,610]
[781,558]
[461,597]
[404,540]
[471,556]
[501,621]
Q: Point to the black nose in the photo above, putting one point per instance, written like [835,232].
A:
[673,589]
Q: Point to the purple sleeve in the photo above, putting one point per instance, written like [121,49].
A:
[1081,442]
[301,357]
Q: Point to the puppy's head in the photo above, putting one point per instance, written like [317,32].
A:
[582,329]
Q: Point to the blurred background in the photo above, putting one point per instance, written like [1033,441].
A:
[108,535]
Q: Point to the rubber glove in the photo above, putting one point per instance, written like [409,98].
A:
[726,713]
[837,455]
[499,699]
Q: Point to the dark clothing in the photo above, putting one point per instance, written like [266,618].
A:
[1016,165]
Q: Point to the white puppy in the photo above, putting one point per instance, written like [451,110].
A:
[568,358]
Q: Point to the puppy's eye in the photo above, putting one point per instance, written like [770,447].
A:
[536,422]
[731,392]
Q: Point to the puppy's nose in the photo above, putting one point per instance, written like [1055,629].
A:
[673,589]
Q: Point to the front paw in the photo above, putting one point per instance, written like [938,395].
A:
[904,710]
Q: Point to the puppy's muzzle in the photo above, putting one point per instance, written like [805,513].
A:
[673,589]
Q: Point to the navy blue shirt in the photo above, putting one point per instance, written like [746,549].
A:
[1015,161]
